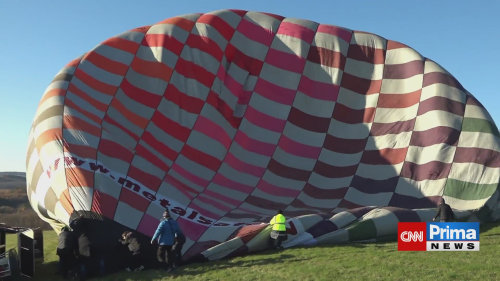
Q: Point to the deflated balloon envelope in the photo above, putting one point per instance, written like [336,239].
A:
[226,117]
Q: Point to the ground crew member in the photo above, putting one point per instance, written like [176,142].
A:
[278,232]
[66,250]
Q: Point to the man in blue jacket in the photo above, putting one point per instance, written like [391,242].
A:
[165,237]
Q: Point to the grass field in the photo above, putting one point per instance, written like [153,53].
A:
[371,261]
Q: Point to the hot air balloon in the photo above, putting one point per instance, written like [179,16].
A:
[226,117]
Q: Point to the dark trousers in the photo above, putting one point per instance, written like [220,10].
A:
[276,242]
[67,260]
[166,255]
[133,261]
[177,249]
[279,240]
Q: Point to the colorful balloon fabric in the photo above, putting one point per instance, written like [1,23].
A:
[226,117]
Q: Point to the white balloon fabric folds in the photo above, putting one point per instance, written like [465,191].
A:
[228,116]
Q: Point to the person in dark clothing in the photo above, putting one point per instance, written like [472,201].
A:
[85,262]
[66,250]
[165,237]
[444,212]
[80,229]
[84,255]
[179,241]
[133,261]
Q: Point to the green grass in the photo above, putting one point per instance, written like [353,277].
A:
[359,261]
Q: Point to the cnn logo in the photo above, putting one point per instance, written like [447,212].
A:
[409,236]
[412,236]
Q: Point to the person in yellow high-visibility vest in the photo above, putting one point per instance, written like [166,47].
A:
[278,231]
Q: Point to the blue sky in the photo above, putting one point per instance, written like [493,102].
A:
[39,37]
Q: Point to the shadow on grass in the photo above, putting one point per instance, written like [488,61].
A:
[48,270]
[191,270]
[42,272]
[198,268]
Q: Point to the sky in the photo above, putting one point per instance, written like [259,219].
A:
[38,38]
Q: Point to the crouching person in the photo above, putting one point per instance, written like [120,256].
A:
[133,261]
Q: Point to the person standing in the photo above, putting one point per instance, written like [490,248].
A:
[85,250]
[66,250]
[444,212]
[278,231]
[165,237]
[179,241]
